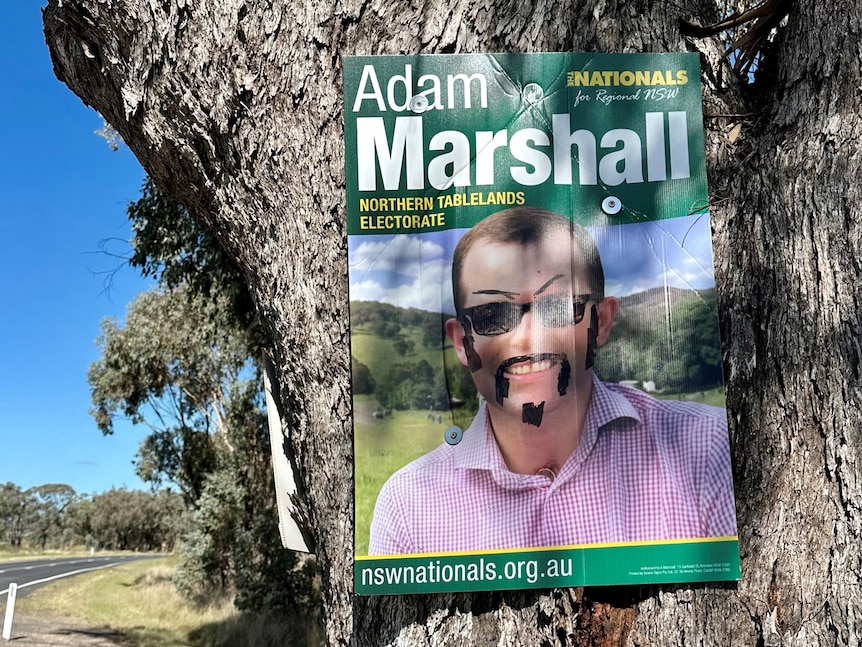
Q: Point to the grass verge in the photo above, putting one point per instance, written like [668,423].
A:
[138,600]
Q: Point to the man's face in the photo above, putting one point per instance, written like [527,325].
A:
[520,303]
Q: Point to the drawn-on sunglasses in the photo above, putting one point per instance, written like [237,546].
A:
[552,311]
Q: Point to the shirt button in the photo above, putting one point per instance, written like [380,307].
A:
[548,473]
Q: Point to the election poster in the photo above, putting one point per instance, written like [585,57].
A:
[536,361]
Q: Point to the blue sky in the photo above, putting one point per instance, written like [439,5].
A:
[62,193]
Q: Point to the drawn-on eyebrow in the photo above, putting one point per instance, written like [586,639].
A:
[509,295]
[548,284]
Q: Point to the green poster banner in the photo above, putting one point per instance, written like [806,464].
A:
[536,362]
[637,563]
[437,142]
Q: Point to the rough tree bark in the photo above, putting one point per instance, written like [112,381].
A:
[235,108]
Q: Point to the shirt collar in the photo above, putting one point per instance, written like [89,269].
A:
[606,406]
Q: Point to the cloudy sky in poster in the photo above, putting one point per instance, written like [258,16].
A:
[415,271]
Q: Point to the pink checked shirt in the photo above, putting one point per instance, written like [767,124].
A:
[645,469]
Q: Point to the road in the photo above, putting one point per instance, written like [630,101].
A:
[32,573]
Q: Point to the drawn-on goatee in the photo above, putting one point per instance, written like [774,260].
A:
[532,414]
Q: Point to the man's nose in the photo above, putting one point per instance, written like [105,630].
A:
[523,334]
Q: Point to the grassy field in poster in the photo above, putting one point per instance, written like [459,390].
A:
[384,445]
[382,449]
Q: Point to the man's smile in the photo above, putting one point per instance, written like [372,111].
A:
[527,364]
[530,367]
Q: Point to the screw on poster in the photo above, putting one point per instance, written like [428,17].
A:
[536,363]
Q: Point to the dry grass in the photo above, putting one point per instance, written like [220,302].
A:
[139,601]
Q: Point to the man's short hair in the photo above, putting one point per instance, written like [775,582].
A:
[529,225]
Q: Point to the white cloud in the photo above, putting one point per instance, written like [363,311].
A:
[431,289]
[402,254]
[675,253]
[402,270]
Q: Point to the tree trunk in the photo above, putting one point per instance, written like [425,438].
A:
[235,108]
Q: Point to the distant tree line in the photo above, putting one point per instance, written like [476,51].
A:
[386,321]
[669,337]
[408,383]
[54,516]
[415,385]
